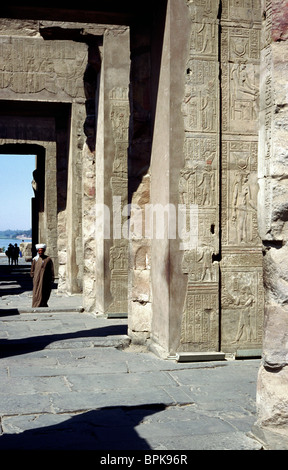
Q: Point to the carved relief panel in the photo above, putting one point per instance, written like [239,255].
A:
[241,291]
[240,81]
[241,262]
[267,101]
[241,10]
[242,302]
[118,264]
[199,329]
[199,179]
[239,193]
[46,68]
[200,103]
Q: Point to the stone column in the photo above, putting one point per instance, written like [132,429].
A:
[184,170]
[241,250]
[108,294]
[199,179]
[272,400]
[139,282]
[48,231]
[74,200]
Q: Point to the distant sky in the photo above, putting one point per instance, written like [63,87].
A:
[16,191]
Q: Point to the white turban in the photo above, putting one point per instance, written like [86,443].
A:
[40,245]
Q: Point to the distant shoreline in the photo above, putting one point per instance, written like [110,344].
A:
[19,237]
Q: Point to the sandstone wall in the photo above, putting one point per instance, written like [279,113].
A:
[272,216]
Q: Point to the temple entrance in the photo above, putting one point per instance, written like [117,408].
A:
[40,129]
[16,193]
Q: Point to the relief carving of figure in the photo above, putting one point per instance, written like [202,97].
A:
[208,33]
[244,93]
[118,257]
[184,189]
[207,183]
[206,253]
[208,107]
[243,85]
[237,294]
[120,121]
[241,200]
[245,300]
[120,161]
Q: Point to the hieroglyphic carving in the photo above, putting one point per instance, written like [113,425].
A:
[198,264]
[203,39]
[240,78]
[243,95]
[239,193]
[119,116]
[202,10]
[199,184]
[241,263]
[118,265]
[200,104]
[37,66]
[267,100]
[242,305]
[199,329]
[198,179]
[240,99]
[241,10]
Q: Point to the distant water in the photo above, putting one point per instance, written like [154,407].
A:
[4,242]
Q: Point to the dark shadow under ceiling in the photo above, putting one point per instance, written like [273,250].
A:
[124,12]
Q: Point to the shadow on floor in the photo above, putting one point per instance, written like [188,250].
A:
[15,280]
[14,347]
[111,428]
[5,312]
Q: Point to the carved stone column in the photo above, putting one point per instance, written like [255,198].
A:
[184,171]
[74,201]
[199,178]
[241,251]
[272,401]
[107,292]
[49,227]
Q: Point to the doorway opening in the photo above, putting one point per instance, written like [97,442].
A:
[16,194]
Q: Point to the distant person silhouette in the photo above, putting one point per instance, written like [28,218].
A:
[9,253]
[15,254]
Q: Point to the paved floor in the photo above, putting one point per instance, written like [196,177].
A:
[69,380]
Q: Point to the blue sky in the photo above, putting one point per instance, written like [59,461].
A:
[16,191]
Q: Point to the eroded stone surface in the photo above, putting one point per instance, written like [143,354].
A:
[272,216]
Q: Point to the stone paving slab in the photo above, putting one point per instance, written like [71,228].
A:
[106,397]
[71,380]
